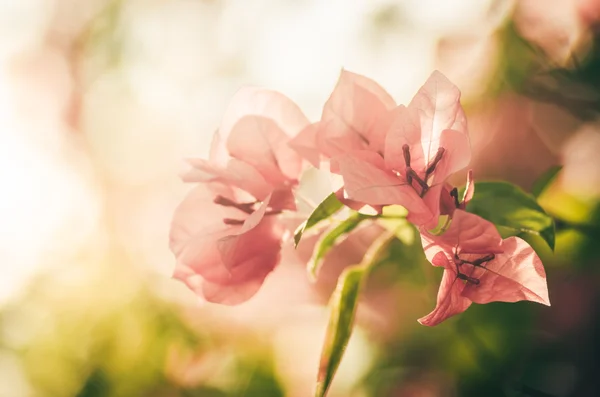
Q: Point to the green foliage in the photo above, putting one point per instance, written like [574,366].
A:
[329,239]
[343,306]
[324,210]
[545,180]
[513,211]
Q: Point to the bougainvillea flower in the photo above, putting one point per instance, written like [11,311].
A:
[354,118]
[250,150]
[227,233]
[224,247]
[481,267]
[425,143]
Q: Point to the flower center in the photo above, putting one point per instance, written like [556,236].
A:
[247,208]
[411,174]
[479,262]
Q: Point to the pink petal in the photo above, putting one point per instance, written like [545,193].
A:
[432,200]
[447,203]
[449,300]
[260,142]
[438,105]
[471,234]
[469,190]
[356,104]
[366,180]
[434,253]
[515,275]
[357,205]
[283,199]
[254,101]
[404,129]
[457,155]
[305,144]
[236,173]
[197,213]
[259,235]
[245,282]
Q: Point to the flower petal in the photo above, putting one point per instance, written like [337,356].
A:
[469,190]
[439,108]
[236,173]
[246,280]
[515,275]
[197,213]
[260,142]
[255,101]
[471,234]
[404,129]
[366,180]
[457,155]
[356,104]
[305,144]
[449,300]
[259,235]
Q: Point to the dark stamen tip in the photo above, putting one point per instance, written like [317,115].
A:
[454,194]
[229,221]
[406,153]
[220,200]
[435,161]
[471,280]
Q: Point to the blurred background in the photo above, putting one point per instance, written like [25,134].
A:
[101,99]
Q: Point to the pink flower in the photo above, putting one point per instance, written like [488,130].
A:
[353,118]
[224,248]
[226,234]
[424,143]
[250,150]
[481,267]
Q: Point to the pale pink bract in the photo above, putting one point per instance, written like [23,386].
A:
[226,234]
[481,267]
[424,143]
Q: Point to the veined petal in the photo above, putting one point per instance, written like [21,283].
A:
[260,142]
[471,234]
[305,144]
[514,275]
[256,101]
[246,280]
[404,129]
[197,213]
[355,106]
[449,300]
[367,181]
[457,155]
[236,173]
[439,108]
[259,235]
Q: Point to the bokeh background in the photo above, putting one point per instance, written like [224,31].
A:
[101,99]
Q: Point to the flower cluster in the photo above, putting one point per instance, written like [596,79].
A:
[228,232]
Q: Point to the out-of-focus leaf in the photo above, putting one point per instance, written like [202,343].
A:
[512,210]
[393,218]
[545,180]
[343,306]
[324,210]
[329,239]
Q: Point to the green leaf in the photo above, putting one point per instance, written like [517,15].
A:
[328,240]
[343,304]
[343,307]
[545,180]
[324,210]
[513,211]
